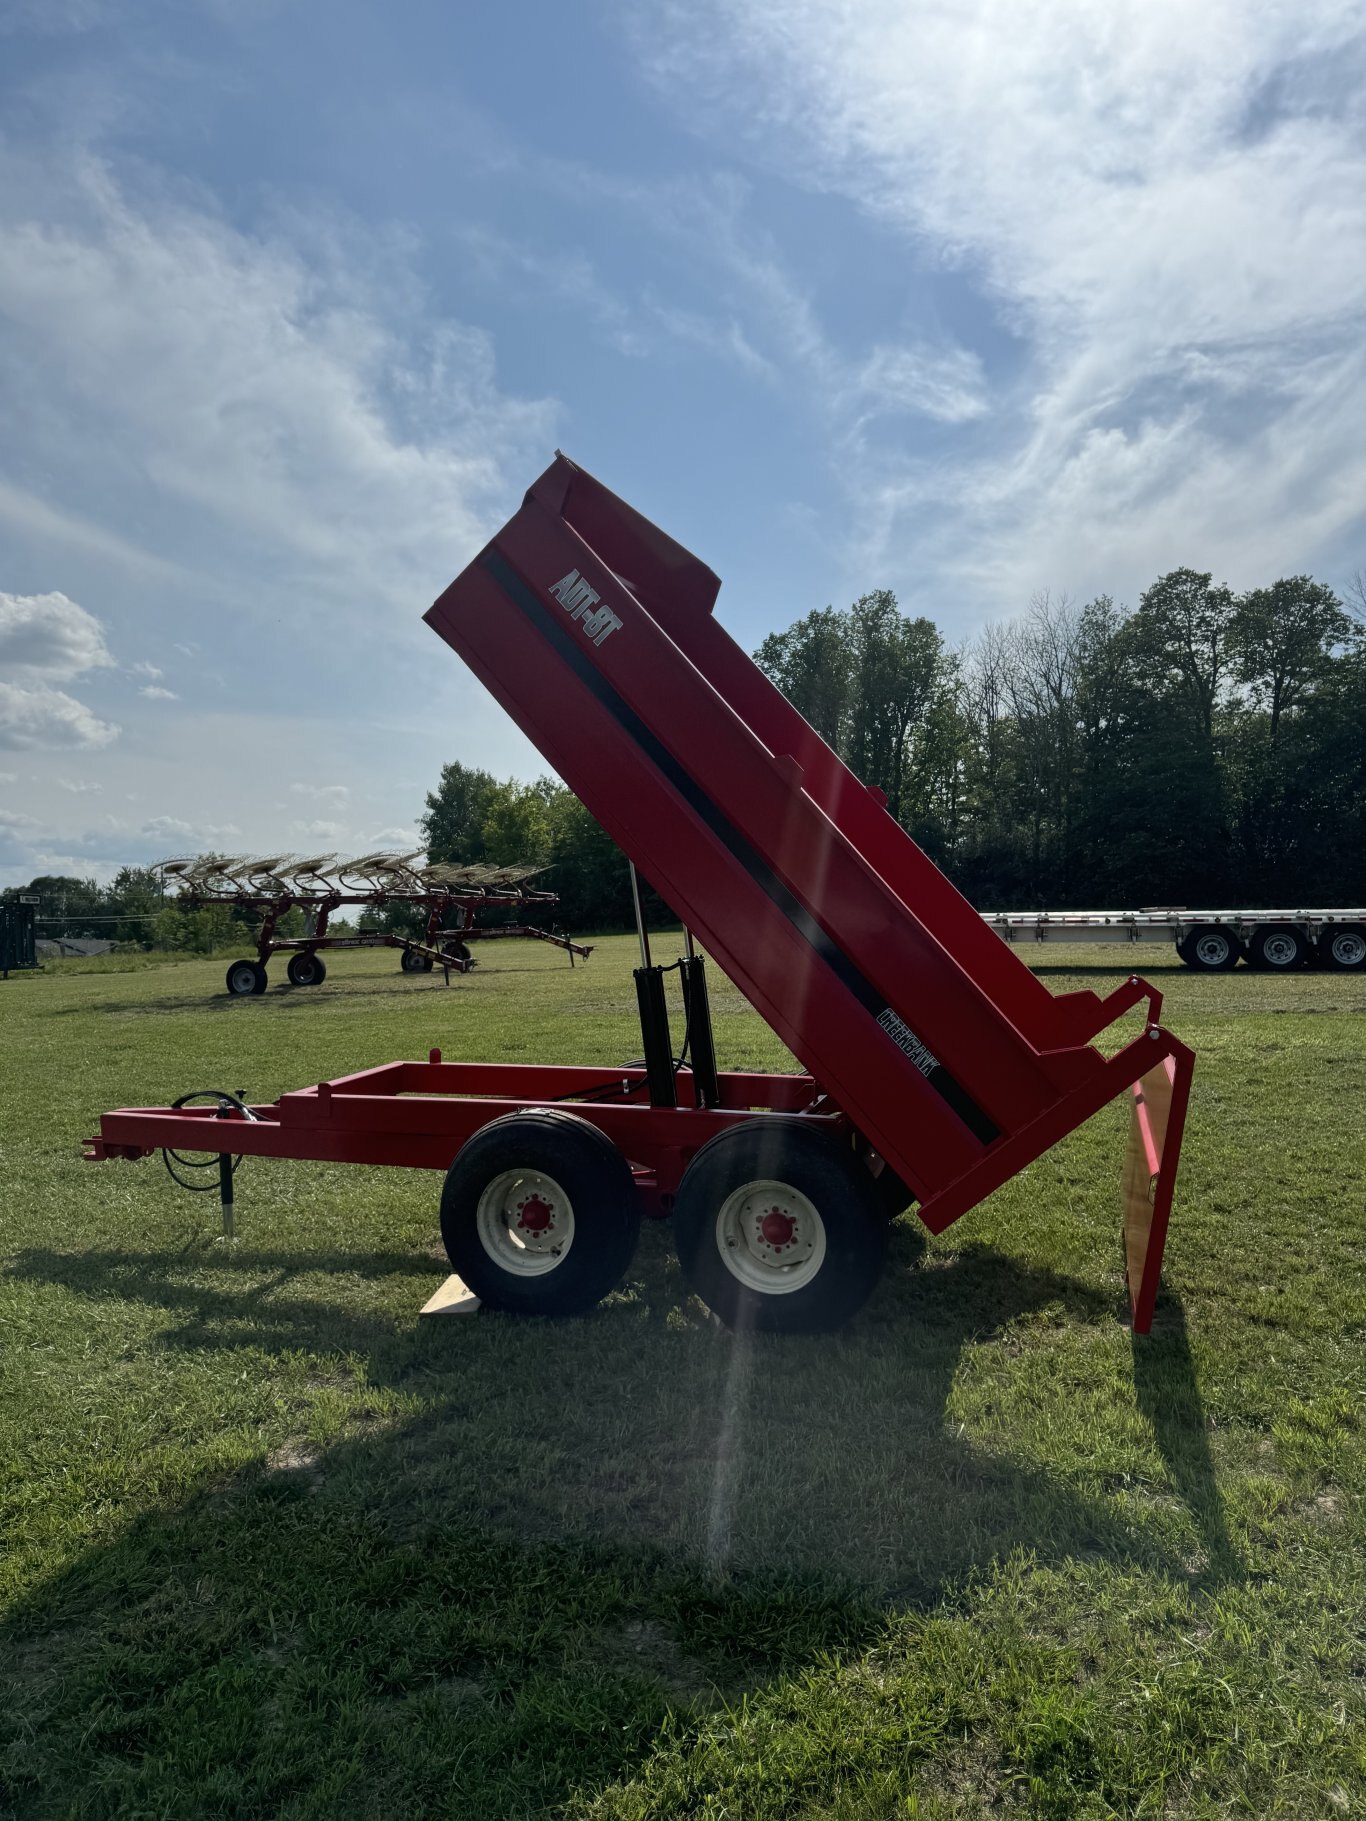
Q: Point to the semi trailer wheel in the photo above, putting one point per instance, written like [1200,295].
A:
[306,970]
[413,963]
[779,1228]
[1343,946]
[539,1214]
[246,977]
[1211,949]
[1277,948]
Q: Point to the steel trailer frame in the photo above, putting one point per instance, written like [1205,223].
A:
[929,1050]
[1207,941]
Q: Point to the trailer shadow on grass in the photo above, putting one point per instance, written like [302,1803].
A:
[564,1533]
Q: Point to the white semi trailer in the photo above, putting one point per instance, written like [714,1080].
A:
[1210,940]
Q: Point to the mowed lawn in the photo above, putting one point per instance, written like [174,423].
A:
[270,1546]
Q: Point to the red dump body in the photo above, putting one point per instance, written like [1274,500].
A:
[595,632]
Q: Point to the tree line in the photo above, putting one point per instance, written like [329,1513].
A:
[1203,748]
[134,910]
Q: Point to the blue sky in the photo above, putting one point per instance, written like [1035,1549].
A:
[966,300]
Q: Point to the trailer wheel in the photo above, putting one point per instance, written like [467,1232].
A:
[306,970]
[1277,948]
[456,950]
[245,978]
[539,1214]
[1343,946]
[1211,949]
[413,963]
[779,1228]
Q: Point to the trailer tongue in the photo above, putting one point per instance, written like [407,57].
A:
[937,1065]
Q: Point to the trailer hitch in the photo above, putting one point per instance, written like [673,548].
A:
[224,1164]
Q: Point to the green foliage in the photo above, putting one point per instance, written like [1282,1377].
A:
[516,823]
[1206,747]
[543,824]
[453,824]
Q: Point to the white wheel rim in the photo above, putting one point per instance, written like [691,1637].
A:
[771,1237]
[1348,948]
[525,1222]
[1281,950]
[1212,950]
[243,979]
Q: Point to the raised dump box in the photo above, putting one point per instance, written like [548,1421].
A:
[938,1066]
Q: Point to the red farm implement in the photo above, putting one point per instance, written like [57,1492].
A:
[937,1066]
[443,902]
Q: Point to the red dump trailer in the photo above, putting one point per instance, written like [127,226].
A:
[936,1065]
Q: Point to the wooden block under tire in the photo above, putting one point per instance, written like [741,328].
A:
[453,1298]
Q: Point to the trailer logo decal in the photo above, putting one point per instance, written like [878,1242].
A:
[582,602]
[907,1042]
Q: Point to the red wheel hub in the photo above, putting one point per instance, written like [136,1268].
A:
[535,1215]
[777,1228]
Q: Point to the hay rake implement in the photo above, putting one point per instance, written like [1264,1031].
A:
[446,899]
[935,1065]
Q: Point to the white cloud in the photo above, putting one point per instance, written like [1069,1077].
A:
[143,669]
[15,819]
[172,828]
[565,274]
[336,794]
[55,18]
[49,636]
[26,511]
[1165,207]
[45,637]
[41,717]
[155,693]
[274,389]
[78,787]
[9,777]
[326,831]
[948,384]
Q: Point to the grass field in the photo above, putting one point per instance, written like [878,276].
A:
[269,1546]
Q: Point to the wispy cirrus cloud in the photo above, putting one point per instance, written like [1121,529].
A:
[1165,206]
[272,384]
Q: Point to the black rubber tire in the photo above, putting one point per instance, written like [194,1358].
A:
[456,950]
[1212,948]
[1278,948]
[246,978]
[306,970]
[837,1184]
[1342,946]
[594,1176]
[413,963]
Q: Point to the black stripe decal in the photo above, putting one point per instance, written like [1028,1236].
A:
[846,971]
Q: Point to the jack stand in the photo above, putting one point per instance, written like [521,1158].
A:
[225,1195]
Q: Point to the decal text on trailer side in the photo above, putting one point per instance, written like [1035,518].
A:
[907,1042]
[583,603]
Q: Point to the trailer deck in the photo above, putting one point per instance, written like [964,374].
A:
[1210,941]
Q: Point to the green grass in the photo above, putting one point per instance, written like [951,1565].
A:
[270,1546]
